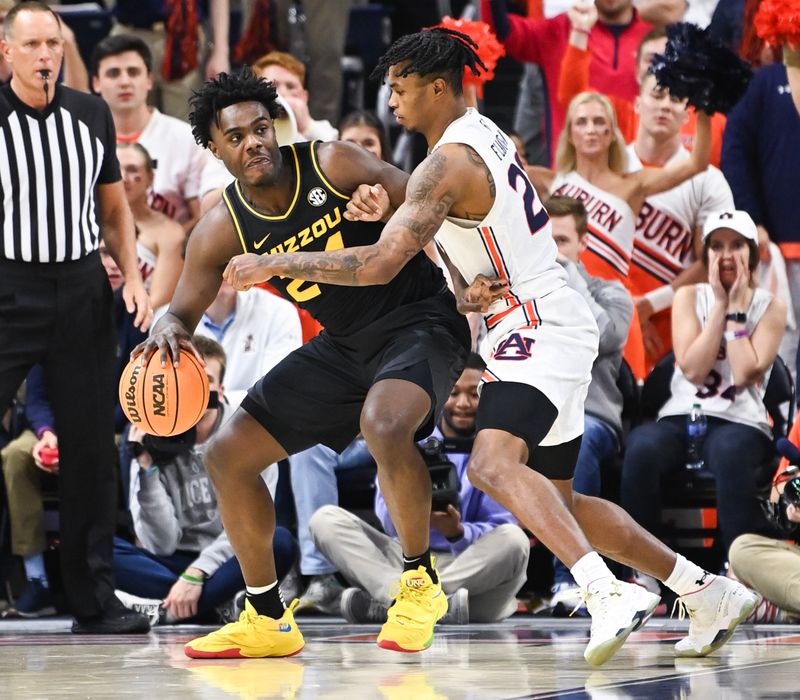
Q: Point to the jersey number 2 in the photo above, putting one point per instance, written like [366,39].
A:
[535,221]
[295,288]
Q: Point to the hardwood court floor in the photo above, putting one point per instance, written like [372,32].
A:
[521,658]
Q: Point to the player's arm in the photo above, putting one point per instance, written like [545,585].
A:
[433,187]
[212,243]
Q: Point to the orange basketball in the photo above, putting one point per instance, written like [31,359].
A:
[164,400]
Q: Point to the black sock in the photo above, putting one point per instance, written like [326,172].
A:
[424,559]
[269,603]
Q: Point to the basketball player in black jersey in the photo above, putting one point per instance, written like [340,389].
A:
[384,365]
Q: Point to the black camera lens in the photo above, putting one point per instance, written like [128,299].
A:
[791,491]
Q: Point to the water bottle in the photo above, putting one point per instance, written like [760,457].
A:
[696,427]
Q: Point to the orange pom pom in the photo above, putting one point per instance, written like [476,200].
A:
[777,22]
[489,48]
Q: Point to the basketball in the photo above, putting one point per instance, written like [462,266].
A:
[164,400]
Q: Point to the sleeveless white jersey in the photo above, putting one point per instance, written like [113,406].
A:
[610,221]
[514,241]
[718,396]
[147,263]
[665,227]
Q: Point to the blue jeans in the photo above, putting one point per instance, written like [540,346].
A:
[313,473]
[141,573]
[737,455]
[598,444]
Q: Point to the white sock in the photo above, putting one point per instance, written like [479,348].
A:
[34,568]
[687,577]
[590,569]
[256,590]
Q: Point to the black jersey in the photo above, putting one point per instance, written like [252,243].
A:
[315,222]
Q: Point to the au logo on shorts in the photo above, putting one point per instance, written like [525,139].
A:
[515,347]
[317,197]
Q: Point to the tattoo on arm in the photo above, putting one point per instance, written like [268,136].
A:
[475,159]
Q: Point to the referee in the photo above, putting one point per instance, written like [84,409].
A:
[60,187]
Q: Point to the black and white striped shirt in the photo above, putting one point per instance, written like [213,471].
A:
[50,164]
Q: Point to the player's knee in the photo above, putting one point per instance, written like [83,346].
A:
[385,432]
[485,472]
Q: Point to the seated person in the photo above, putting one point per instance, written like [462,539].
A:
[768,565]
[159,239]
[726,335]
[482,555]
[34,451]
[185,566]
[612,307]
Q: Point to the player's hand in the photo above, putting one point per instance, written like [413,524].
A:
[182,598]
[168,337]
[368,203]
[448,523]
[245,270]
[136,299]
[482,293]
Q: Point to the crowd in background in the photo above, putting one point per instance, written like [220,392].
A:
[637,186]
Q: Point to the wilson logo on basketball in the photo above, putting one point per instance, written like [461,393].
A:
[129,399]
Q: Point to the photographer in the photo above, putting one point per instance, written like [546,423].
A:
[185,565]
[771,566]
[482,555]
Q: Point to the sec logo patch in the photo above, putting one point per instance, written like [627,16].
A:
[317,197]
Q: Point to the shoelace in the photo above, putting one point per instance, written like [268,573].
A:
[680,606]
[586,595]
[407,594]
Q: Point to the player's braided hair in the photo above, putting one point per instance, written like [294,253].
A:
[436,51]
[225,90]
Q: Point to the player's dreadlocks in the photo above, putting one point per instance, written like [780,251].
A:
[225,90]
[436,51]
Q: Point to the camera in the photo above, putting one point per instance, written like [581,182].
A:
[445,484]
[164,449]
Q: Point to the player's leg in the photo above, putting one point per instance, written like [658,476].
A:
[716,604]
[513,419]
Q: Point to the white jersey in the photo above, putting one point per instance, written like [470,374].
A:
[610,221]
[664,238]
[147,263]
[514,241]
[718,396]
[179,164]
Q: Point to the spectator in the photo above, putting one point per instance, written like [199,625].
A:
[61,315]
[323,35]
[760,154]
[726,334]
[289,77]
[611,43]
[185,566]
[768,565]
[670,223]
[365,129]
[590,162]
[159,239]
[23,464]
[574,79]
[196,41]
[482,555]
[612,308]
[122,75]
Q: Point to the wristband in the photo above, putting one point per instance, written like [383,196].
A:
[735,335]
[194,580]
[660,298]
[736,316]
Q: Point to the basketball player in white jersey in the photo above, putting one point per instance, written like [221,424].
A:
[542,338]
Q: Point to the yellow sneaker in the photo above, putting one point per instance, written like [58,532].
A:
[419,604]
[251,636]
